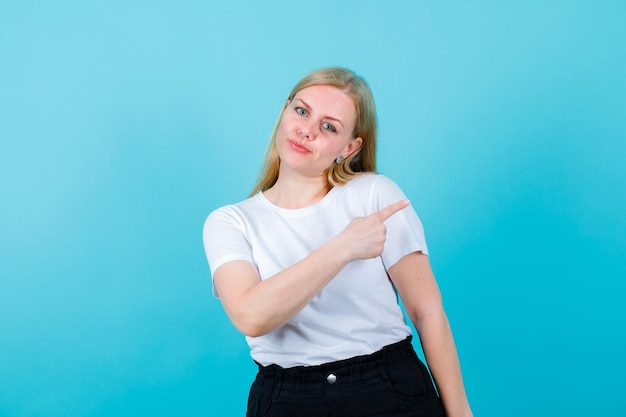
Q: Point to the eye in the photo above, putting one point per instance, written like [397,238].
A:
[301,111]
[327,126]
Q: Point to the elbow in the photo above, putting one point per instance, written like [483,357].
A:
[251,325]
[251,318]
[433,316]
[252,330]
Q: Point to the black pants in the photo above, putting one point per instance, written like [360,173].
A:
[390,382]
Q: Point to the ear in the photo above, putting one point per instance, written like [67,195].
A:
[352,147]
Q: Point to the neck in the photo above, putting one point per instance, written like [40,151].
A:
[297,192]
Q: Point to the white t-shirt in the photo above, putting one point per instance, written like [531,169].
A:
[357,313]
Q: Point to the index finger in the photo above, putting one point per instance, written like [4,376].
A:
[391,209]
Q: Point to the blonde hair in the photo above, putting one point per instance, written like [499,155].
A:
[360,161]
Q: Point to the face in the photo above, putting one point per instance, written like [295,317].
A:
[316,127]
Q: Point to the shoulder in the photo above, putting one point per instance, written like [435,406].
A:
[362,181]
[233,213]
[372,184]
[369,192]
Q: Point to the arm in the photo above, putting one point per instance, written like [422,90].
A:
[416,284]
[258,306]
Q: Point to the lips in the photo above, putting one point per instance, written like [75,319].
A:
[298,147]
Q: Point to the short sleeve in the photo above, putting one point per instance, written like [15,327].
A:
[405,233]
[224,239]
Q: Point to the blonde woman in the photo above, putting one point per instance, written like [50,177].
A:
[308,268]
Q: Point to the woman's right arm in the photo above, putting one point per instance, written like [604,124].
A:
[257,306]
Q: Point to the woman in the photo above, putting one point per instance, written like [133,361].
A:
[308,268]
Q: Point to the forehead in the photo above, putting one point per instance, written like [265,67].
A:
[329,100]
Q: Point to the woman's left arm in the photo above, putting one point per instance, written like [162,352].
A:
[413,278]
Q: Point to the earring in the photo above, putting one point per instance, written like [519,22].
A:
[339,159]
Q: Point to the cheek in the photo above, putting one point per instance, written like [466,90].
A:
[282,131]
[331,148]
[287,119]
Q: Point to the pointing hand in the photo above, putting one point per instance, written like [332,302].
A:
[365,236]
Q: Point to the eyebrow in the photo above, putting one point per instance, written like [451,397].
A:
[325,117]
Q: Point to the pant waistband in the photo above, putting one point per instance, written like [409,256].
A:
[357,367]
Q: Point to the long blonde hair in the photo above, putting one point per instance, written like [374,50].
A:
[360,161]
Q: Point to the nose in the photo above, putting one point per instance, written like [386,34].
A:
[306,130]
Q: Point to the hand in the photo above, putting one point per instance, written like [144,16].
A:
[365,236]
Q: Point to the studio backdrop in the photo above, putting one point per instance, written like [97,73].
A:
[123,124]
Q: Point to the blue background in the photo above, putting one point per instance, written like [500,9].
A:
[124,123]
